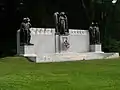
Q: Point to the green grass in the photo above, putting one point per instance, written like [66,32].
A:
[17,73]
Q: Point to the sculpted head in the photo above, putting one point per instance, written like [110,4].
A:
[28,19]
[62,13]
[24,19]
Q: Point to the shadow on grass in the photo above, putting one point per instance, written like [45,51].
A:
[29,59]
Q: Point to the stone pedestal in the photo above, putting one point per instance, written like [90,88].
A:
[24,49]
[96,48]
[57,43]
[27,50]
[18,42]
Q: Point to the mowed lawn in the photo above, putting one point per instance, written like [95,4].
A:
[17,73]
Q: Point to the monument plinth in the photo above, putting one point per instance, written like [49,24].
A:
[96,48]
[57,43]
[51,47]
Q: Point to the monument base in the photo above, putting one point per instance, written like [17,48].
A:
[29,52]
[61,57]
[26,49]
[96,48]
[52,47]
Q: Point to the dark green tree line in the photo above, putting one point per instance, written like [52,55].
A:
[80,15]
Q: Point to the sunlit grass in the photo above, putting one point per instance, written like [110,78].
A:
[17,73]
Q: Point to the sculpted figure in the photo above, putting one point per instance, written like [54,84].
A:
[56,20]
[97,34]
[61,23]
[94,33]
[25,31]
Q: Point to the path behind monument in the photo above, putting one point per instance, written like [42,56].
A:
[16,73]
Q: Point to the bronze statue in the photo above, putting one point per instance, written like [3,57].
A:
[25,31]
[94,33]
[56,17]
[61,23]
[97,33]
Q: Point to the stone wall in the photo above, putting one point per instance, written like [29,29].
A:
[44,40]
[79,40]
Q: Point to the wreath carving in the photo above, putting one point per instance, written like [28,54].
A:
[66,44]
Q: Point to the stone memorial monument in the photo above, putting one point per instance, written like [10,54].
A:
[60,43]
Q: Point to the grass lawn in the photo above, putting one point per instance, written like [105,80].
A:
[17,73]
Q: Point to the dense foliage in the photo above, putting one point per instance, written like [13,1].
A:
[80,14]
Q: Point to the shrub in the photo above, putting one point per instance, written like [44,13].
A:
[111,45]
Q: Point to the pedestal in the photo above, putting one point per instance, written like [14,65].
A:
[26,50]
[96,48]
[57,43]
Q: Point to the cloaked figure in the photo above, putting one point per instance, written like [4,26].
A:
[25,31]
[63,23]
[94,33]
[56,20]
[97,33]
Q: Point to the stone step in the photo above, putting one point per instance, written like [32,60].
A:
[74,57]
